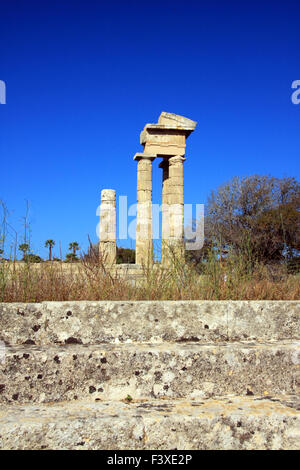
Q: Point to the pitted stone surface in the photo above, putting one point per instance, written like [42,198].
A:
[148,321]
[231,363]
[111,372]
[230,423]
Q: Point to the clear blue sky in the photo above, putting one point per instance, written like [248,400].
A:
[84,77]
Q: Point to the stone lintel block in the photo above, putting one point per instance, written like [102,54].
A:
[163,133]
[171,119]
[161,149]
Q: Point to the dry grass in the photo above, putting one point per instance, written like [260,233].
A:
[89,280]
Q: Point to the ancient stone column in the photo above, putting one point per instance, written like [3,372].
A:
[108,228]
[165,232]
[167,139]
[144,242]
[176,206]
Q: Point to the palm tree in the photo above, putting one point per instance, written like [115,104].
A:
[50,244]
[74,247]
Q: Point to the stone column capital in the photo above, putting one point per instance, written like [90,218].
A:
[176,159]
[144,156]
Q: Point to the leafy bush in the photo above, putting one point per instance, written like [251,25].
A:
[31,258]
[125,255]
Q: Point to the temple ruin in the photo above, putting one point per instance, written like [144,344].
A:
[166,140]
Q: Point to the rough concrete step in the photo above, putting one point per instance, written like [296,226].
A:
[111,372]
[228,423]
[145,321]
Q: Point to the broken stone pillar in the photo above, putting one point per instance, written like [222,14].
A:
[144,242]
[108,227]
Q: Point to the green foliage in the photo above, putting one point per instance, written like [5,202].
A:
[32,258]
[257,217]
[125,255]
[293,265]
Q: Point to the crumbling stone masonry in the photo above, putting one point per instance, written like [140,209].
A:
[167,140]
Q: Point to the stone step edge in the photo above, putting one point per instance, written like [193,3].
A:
[148,346]
[143,321]
[225,423]
[34,374]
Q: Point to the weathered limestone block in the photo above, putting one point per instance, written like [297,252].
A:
[168,137]
[90,322]
[170,119]
[111,372]
[236,423]
[108,227]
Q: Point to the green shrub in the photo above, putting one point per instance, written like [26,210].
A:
[31,258]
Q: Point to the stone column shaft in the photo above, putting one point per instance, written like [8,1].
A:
[144,242]
[165,211]
[108,227]
[176,205]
